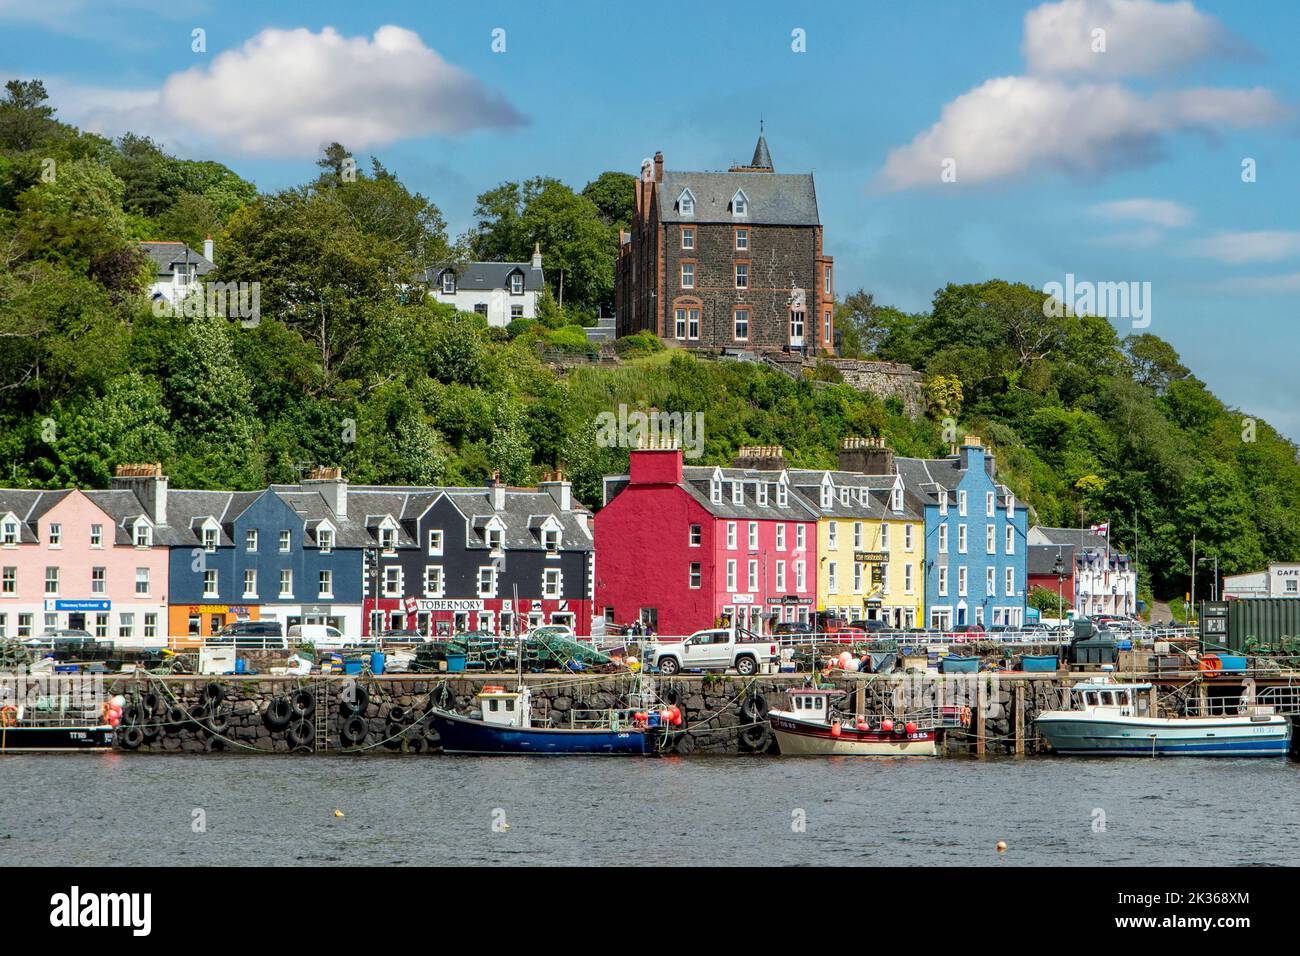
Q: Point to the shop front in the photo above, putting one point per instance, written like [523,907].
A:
[207,620]
[446,617]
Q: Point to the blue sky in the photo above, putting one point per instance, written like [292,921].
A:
[1114,164]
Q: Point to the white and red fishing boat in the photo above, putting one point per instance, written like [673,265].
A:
[812,727]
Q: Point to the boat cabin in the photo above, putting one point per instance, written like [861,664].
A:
[1105,696]
[505,708]
[811,703]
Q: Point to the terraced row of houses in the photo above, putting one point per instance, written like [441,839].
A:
[912,542]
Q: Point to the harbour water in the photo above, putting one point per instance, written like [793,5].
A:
[226,809]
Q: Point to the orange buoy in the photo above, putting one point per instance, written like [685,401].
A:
[836,729]
[911,727]
[886,725]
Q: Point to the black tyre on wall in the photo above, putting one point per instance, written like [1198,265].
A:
[353,700]
[354,731]
[304,703]
[278,713]
[754,708]
[301,735]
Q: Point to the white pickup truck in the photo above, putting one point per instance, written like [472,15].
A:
[712,649]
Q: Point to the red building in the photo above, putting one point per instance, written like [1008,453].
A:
[1042,566]
[683,548]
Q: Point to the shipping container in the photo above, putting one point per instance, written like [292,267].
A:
[1263,625]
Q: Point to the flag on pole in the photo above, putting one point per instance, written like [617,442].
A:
[1101,529]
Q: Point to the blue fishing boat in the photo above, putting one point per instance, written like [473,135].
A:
[1114,719]
[505,724]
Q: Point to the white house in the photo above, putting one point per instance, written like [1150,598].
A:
[1105,581]
[1280,580]
[498,291]
[177,268]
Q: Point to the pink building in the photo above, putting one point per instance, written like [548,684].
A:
[681,548]
[81,560]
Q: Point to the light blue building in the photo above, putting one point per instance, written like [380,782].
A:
[975,539]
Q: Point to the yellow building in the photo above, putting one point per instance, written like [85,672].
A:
[870,546]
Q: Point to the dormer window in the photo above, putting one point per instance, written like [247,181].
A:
[897,500]
[740,203]
[827,495]
[551,539]
[143,535]
[762,493]
[10,533]
[494,539]
[686,203]
[209,539]
[737,493]
[516,283]
[449,283]
[715,491]
[325,540]
[388,538]
[782,495]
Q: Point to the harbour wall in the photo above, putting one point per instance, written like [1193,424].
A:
[989,713]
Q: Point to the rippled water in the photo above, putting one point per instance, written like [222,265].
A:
[106,809]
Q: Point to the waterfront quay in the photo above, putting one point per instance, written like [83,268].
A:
[987,713]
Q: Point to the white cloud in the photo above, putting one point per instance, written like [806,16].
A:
[1288,282]
[1014,125]
[1243,247]
[1155,212]
[287,92]
[1141,37]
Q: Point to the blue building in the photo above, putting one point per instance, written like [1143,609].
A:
[975,539]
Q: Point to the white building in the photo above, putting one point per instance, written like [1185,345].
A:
[1104,579]
[499,291]
[177,268]
[1280,580]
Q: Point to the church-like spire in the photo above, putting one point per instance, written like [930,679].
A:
[762,158]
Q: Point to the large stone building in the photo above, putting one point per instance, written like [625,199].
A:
[727,260]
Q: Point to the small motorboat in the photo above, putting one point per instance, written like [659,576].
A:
[812,727]
[1115,719]
[25,729]
[505,725]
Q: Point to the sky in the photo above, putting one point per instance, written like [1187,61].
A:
[1114,141]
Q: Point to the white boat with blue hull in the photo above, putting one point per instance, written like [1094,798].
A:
[1114,719]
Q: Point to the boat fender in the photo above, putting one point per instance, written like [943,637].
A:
[132,714]
[754,736]
[443,697]
[304,703]
[354,730]
[899,728]
[213,693]
[415,744]
[672,697]
[217,722]
[8,715]
[130,738]
[755,707]
[393,734]
[302,734]
[278,713]
[152,703]
[431,734]
[176,715]
[397,714]
[353,700]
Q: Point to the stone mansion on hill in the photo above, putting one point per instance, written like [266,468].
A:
[727,260]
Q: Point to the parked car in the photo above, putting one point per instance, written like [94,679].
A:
[792,627]
[322,635]
[968,629]
[711,649]
[251,635]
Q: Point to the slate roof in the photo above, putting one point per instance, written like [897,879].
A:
[808,482]
[1080,539]
[165,255]
[780,199]
[1041,558]
[472,276]
[27,506]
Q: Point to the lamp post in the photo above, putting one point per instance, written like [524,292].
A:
[1059,570]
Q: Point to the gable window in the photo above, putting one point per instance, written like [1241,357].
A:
[943,503]
[388,538]
[715,491]
[688,275]
[686,203]
[737,493]
[96,535]
[250,540]
[896,499]
[286,539]
[449,282]
[10,534]
[742,240]
[551,540]
[551,583]
[741,317]
[782,495]
[742,275]
[56,535]
[435,542]
[516,284]
[494,539]
[688,237]
[325,584]
[740,204]
[143,535]
[761,487]
[209,539]
[325,540]
[828,496]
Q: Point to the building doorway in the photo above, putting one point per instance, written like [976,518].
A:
[798,319]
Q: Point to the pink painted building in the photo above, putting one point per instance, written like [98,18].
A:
[85,560]
[682,548]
